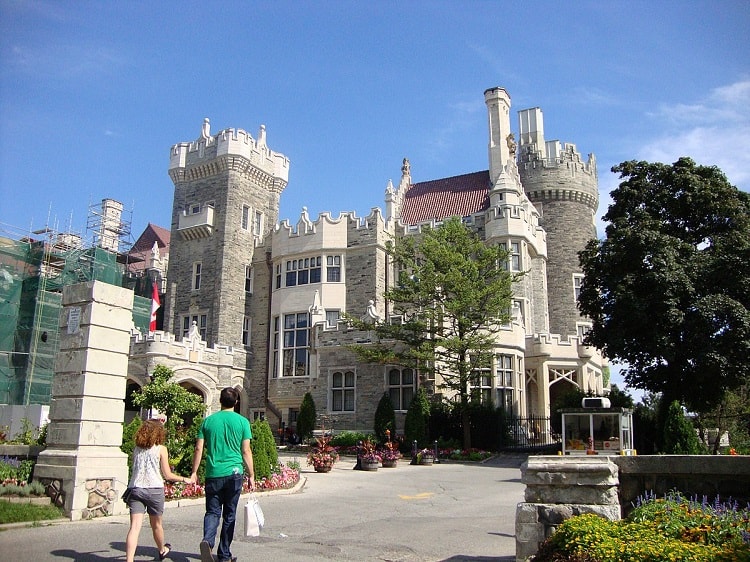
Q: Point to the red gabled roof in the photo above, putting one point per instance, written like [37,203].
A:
[151,234]
[459,196]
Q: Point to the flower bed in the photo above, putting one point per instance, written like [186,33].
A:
[283,479]
[659,530]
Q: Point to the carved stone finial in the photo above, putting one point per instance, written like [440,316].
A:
[406,168]
[372,314]
[511,140]
[206,129]
[262,136]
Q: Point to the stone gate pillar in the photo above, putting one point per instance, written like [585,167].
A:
[82,465]
[558,488]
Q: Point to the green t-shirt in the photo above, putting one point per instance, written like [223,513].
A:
[223,433]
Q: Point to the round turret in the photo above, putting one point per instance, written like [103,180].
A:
[564,189]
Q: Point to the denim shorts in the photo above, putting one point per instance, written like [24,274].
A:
[147,500]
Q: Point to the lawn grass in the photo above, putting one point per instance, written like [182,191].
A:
[24,512]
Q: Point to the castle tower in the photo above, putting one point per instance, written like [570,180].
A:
[226,198]
[511,220]
[564,189]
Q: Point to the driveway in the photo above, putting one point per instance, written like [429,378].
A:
[445,512]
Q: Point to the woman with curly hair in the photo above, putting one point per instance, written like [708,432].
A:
[146,485]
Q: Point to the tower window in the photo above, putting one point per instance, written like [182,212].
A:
[245,224]
[246,323]
[197,270]
[333,269]
[577,284]
[249,275]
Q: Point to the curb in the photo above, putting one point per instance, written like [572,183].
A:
[184,502]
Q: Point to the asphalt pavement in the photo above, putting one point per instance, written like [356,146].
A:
[447,512]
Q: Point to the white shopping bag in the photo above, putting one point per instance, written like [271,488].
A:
[254,518]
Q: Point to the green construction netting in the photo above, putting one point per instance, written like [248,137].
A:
[32,276]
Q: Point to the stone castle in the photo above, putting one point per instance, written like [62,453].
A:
[255,303]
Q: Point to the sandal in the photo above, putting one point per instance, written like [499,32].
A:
[167,550]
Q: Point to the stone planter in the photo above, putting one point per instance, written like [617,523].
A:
[392,463]
[323,468]
[369,465]
[427,461]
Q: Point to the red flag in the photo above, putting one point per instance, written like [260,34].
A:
[155,304]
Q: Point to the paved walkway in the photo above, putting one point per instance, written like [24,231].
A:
[447,512]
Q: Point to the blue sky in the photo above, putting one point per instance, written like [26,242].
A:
[93,94]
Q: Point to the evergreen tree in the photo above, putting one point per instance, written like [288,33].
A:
[306,417]
[261,461]
[680,437]
[453,295]
[417,417]
[385,418]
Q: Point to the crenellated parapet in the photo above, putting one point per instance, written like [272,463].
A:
[562,176]
[327,232]
[551,170]
[560,347]
[230,149]
[162,346]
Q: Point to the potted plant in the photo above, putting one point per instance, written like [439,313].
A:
[426,456]
[389,457]
[322,456]
[369,457]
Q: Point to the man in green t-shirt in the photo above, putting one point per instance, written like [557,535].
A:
[225,436]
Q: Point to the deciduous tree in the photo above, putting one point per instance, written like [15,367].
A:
[668,288]
[172,400]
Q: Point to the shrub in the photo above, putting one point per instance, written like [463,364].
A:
[306,417]
[385,418]
[128,439]
[185,450]
[348,439]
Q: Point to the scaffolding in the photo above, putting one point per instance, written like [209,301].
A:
[34,269]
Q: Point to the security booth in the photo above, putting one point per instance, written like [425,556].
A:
[597,429]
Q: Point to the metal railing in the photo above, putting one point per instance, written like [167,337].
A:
[528,433]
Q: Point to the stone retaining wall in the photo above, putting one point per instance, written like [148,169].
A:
[558,487]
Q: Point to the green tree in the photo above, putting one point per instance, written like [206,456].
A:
[385,418]
[265,455]
[306,417]
[680,437]
[730,416]
[453,295]
[417,418]
[175,402]
[668,289]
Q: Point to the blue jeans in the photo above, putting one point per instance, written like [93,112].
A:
[222,497]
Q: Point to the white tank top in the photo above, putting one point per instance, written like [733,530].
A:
[146,469]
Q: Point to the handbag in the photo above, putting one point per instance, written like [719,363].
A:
[126,494]
[254,518]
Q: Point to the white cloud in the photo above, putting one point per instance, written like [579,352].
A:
[714,131]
